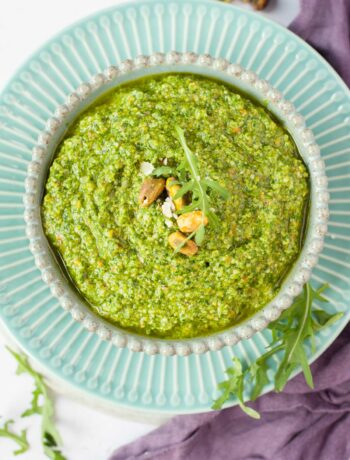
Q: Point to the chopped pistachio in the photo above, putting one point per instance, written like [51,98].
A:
[180,243]
[151,189]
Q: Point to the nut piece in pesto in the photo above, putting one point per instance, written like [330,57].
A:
[172,187]
[150,191]
[191,221]
[178,240]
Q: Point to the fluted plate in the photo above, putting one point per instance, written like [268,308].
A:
[30,311]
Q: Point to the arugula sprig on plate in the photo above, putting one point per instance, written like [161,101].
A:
[41,404]
[290,334]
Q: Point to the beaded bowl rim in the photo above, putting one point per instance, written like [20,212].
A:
[155,64]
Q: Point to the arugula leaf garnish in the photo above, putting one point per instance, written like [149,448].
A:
[20,439]
[197,185]
[164,171]
[189,177]
[51,439]
[289,335]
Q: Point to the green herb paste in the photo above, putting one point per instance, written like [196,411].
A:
[117,253]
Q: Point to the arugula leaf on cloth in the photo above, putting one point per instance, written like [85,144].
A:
[20,439]
[51,439]
[290,334]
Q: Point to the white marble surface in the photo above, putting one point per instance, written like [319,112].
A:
[88,434]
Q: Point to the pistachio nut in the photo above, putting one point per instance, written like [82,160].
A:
[191,221]
[172,188]
[150,191]
[178,240]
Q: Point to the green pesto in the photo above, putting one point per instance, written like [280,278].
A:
[117,253]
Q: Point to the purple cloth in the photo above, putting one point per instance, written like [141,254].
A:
[298,424]
[325,25]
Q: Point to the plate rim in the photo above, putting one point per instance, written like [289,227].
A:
[125,3]
[100,400]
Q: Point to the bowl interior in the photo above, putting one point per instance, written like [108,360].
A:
[243,85]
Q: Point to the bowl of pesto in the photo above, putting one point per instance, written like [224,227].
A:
[178,204]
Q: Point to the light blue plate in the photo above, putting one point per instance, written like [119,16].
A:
[27,308]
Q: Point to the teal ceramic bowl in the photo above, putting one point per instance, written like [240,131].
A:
[157,63]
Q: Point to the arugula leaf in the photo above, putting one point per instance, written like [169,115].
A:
[184,189]
[164,171]
[258,377]
[289,335]
[51,439]
[34,408]
[323,319]
[217,187]
[51,448]
[187,175]
[234,385]
[20,439]
[294,352]
[198,187]
[199,235]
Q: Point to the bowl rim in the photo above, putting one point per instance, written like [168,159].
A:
[155,64]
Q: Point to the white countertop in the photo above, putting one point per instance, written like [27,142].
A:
[88,434]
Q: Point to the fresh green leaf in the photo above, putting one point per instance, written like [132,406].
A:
[294,354]
[19,439]
[290,334]
[190,157]
[187,208]
[51,439]
[164,171]
[234,386]
[249,411]
[213,219]
[183,190]
[319,291]
[282,375]
[302,359]
[200,233]
[218,188]
[323,319]
[51,448]
[240,388]
[230,386]
[34,408]
[188,174]
[258,377]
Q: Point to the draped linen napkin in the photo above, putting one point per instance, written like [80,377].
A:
[300,423]
[325,25]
